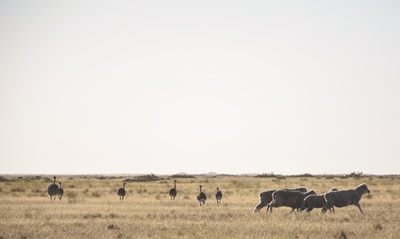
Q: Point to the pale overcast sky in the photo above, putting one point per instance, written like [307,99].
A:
[285,87]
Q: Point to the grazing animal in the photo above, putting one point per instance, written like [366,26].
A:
[121,192]
[172,191]
[218,196]
[292,199]
[201,197]
[266,197]
[52,189]
[60,192]
[344,198]
[315,201]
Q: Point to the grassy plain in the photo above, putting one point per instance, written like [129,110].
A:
[90,208]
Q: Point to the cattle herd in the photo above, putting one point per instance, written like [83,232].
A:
[299,198]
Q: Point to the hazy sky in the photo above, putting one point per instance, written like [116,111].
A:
[163,87]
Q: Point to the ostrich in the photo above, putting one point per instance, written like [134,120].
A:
[122,192]
[172,191]
[60,192]
[218,196]
[52,189]
[201,197]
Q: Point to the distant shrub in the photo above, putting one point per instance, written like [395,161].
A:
[32,178]
[96,194]
[139,191]
[265,175]
[18,190]
[353,175]
[101,178]
[112,227]
[238,183]
[71,195]
[228,192]
[182,175]
[378,227]
[112,215]
[88,216]
[304,175]
[143,178]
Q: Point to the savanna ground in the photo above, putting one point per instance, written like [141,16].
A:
[91,208]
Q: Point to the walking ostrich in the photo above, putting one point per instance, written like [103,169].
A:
[172,191]
[52,189]
[201,197]
[60,192]
[122,192]
[218,196]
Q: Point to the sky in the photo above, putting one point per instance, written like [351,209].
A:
[165,87]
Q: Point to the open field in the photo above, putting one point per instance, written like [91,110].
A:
[90,208]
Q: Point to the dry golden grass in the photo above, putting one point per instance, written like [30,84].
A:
[90,208]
